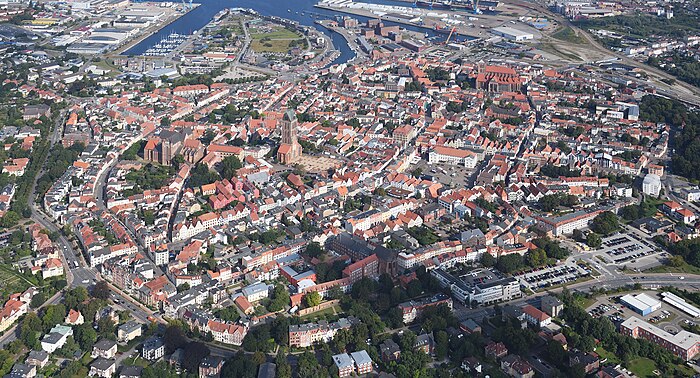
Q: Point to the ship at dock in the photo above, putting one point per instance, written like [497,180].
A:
[456,5]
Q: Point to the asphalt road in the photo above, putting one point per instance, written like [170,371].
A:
[78,272]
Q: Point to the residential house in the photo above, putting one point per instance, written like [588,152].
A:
[104,348]
[103,368]
[153,348]
[128,331]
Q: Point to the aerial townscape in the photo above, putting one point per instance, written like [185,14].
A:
[349,188]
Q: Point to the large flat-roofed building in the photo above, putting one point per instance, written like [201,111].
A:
[482,287]
[512,33]
[566,224]
[455,156]
[680,304]
[684,344]
[641,303]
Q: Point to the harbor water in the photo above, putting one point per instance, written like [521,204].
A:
[302,11]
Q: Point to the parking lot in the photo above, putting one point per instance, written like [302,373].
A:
[666,318]
[623,248]
[552,275]
[449,174]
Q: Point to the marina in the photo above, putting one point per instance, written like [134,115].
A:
[167,45]
[302,12]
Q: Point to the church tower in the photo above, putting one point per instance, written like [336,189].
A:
[290,149]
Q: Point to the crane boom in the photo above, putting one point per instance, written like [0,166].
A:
[450,35]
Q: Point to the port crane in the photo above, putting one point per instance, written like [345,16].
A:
[187,5]
[450,35]
[475,5]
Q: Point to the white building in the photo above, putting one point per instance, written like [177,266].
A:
[567,223]
[651,185]
[512,34]
[153,349]
[255,292]
[440,154]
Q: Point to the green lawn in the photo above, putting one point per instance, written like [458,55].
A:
[612,359]
[548,47]
[135,361]
[277,41]
[584,302]
[574,282]
[320,314]
[685,268]
[280,33]
[567,34]
[642,367]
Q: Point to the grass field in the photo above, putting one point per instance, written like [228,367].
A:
[584,302]
[642,367]
[612,359]
[136,361]
[334,310]
[685,268]
[277,41]
[567,34]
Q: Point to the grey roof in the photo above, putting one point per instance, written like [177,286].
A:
[102,363]
[130,326]
[131,371]
[105,344]
[361,357]
[52,338]
[152,343]
[342,360]
[289,116]
[38,355]
[22,369]
[389,346]
[470,324]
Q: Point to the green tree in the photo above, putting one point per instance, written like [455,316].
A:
[173,338]
[442,345]
[280,298]
[85,335]
[284,370]
[509,263]
[230,166]
[37,300]
[312,299]
[676,261]
[593,240]
[605,223]
[488,260]
[313,249]
[53,314]
[193,354]
[100,290]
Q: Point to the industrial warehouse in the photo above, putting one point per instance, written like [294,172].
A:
[641,303]
[680,304]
